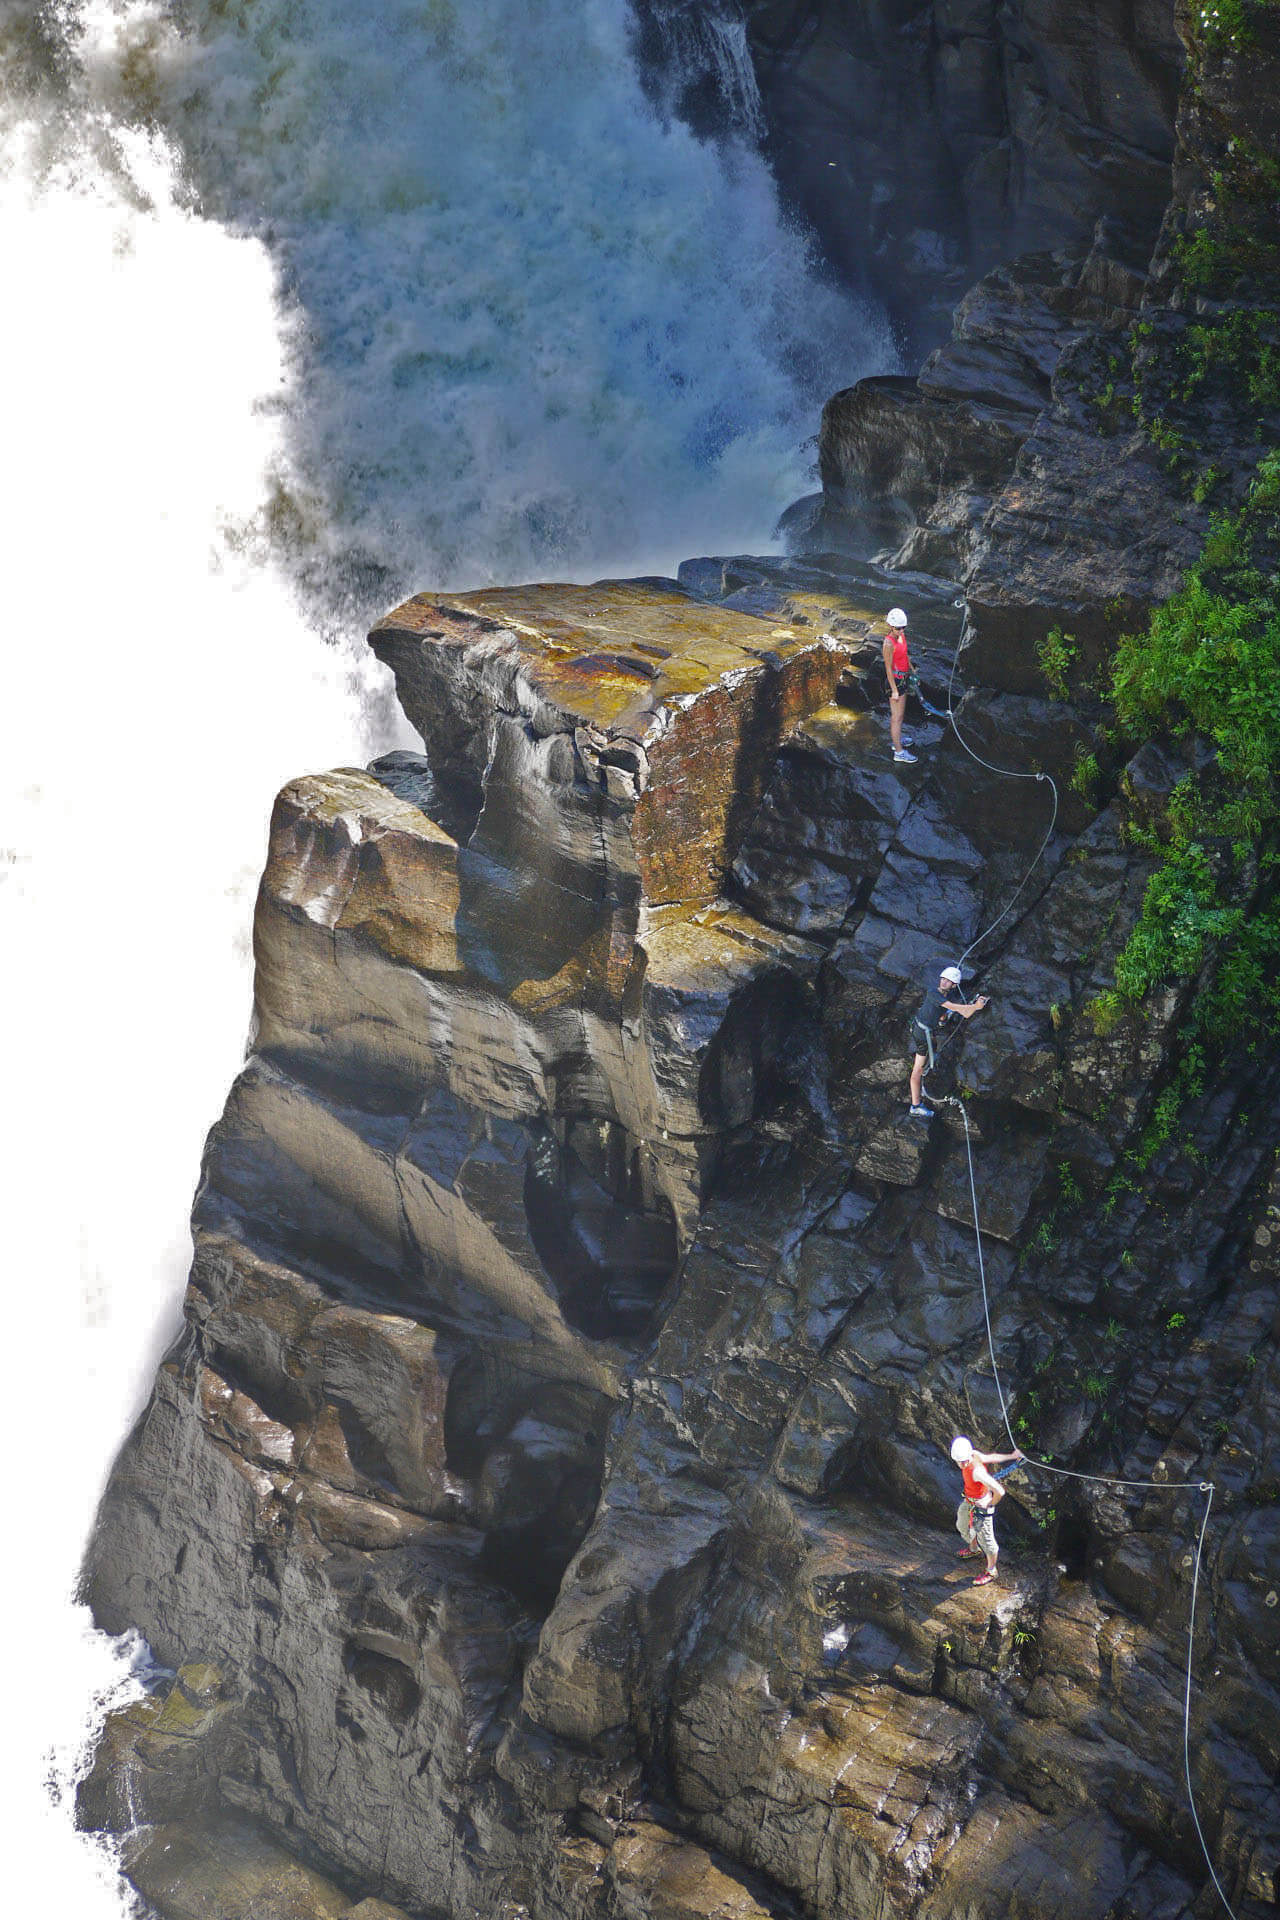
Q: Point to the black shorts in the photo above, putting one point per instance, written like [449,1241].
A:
[920,1039]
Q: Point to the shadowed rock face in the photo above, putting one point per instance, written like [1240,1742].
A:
[1054,455]
[928,140]
[552,1465]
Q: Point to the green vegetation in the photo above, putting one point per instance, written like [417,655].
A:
[1070,1191]
[1119,1184]
[1086,776]
[1204,484]
[1223,27]
[1209,665]
[1226,26]
[1237,235]
[1244,344]
[1056,654]
[1069,1197]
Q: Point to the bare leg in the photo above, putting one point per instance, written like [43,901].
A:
[917,1079]
[897,713]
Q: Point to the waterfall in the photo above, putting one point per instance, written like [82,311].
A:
[530,328]
[306,305]
[697,63]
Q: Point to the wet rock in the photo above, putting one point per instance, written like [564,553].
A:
[660,1874]
[553,1462]
[231,1872]
[160,1757]
[513,1494]
[823,826]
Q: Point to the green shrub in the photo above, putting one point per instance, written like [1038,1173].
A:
[1209,664]
[1086,775]
[1241,346]
[1056,654]
[1223,26]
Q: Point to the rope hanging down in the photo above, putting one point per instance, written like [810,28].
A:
[1205,1487]
[1005,773]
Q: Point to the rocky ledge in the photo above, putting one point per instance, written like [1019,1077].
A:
[545,1505]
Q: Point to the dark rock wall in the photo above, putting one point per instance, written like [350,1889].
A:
[1054,456]
[925,143]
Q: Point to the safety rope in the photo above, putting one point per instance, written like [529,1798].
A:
[1005,773]
[1205,1487]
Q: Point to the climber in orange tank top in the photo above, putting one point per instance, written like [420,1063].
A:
[975,1515]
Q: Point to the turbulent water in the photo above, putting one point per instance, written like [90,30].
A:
[532,331]
[306,303]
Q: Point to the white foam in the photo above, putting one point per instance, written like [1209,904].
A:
[535,331]
[156,690]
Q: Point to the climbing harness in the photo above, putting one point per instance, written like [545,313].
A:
[1205,1487]
[920,1027]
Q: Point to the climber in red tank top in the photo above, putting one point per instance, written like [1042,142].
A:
[897,666]
[974,1515]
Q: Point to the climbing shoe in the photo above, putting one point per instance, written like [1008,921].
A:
[908,758]
[969,1553]
[984,1579]
[922,1113]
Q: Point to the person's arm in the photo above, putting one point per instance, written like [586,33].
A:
[887,652]
[997,1459]
[966,1010]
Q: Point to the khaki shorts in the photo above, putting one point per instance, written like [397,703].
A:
[974,1525]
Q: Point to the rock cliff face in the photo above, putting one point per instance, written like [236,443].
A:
[1063,453]
[546,1506]
[549,1475]
[928,140]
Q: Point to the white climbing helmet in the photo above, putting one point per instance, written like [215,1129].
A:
[895,617]
[961,1450]
[952,975]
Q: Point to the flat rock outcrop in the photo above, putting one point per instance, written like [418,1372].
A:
[546,1501]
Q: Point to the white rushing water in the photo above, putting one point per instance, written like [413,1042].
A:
[305,303]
